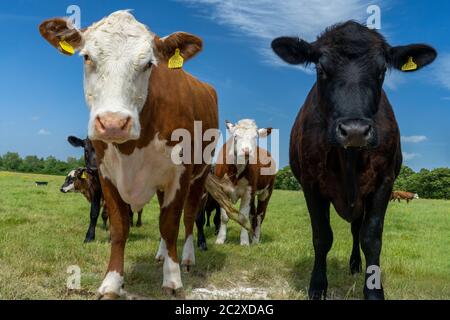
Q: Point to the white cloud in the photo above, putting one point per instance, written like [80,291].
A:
[393,79]
[43,132]
[414,139]
[442,70]
[409,156]
[264,20]
[35,118]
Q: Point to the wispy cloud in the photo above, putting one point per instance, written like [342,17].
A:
[393,79]
[43,132]
[409,156]
[414,139]
[442,70]
[264,20]
[35,118]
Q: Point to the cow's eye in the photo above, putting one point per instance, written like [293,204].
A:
[148,66]
[321,72]
[87,59]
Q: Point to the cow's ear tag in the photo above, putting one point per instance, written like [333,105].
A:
[410,65]
[84,175]
[66,47]
[176,61]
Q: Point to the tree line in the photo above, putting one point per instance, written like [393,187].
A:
[428,184]
[12,161]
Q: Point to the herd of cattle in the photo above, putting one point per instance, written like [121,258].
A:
[344,147]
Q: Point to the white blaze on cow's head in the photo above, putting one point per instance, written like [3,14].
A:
[245,135]
[119,54]
[68,185]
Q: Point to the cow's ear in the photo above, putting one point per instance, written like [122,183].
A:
[264,132]
[76,142]
[412,57]
[294,50]
[230,126]
[188,44]
[61,34]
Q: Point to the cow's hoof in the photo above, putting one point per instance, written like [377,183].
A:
[174,293]
[88,239]
[202,246]
[139,224]
[220,241]
[317,294]
[374,294]
[245,243]
[186,266]
[355,266]
[108,296]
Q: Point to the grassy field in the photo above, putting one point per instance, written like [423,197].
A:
[42,232]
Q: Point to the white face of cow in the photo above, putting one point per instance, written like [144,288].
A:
[120,54]
[245,135]
[68,185]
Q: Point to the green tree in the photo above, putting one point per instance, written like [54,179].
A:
[12,161]
[286,181]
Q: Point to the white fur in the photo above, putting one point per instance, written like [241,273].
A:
[189,251]
[69,188]
[245,134]
[172,274]
[222,235]
[162,251]
[244,211]
[257,235]
[139,175]
[112,283]
[117,81]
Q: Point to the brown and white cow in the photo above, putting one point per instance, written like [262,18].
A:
[404,195]
[136,102]
[252,171]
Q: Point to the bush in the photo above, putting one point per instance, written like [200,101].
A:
[286,181]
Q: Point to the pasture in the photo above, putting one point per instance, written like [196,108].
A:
[42,232]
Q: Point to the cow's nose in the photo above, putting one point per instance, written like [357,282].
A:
[112,127]
[246,151]
[354,133]
[62,190]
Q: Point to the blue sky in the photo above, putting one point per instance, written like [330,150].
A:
[41,90]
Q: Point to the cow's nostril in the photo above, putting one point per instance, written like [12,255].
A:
[367,131]
[126,123]
[342,131]
[100,123]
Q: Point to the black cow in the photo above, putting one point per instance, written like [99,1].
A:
[345,143]
[208,205]
[96,196]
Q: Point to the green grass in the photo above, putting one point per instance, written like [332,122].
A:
[42,233]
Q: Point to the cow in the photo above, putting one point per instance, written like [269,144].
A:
[87,183]
[251,171]
[90,160]
[403,195]
[208,205]
[345,142]
[139,95]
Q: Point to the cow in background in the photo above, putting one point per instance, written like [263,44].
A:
[251,171]
[208,205]
[345,143]
[404,195]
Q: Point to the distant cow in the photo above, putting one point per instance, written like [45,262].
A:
[87,183]
[138,96]
[403,195]
[345,142]
[251,171]
[41,183]
[208,205]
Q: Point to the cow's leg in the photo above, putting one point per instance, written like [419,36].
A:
[222,235]
[191,207]
[131,213]
[208,218]
[200,222]
[105,217]
[119,227]
[139,219]
[162,250]
[217,221]
[355,258]
[247,207]
[259,218]
[371,239]
[319,211]
[169,224]
[93,217]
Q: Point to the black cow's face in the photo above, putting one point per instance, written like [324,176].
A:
[68,185]
[351,61]
[90,158]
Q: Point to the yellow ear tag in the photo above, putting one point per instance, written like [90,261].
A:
[66,47]
[84,175]
[176,61]
[410,65]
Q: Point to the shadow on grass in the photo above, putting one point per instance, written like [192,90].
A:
[341,284]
